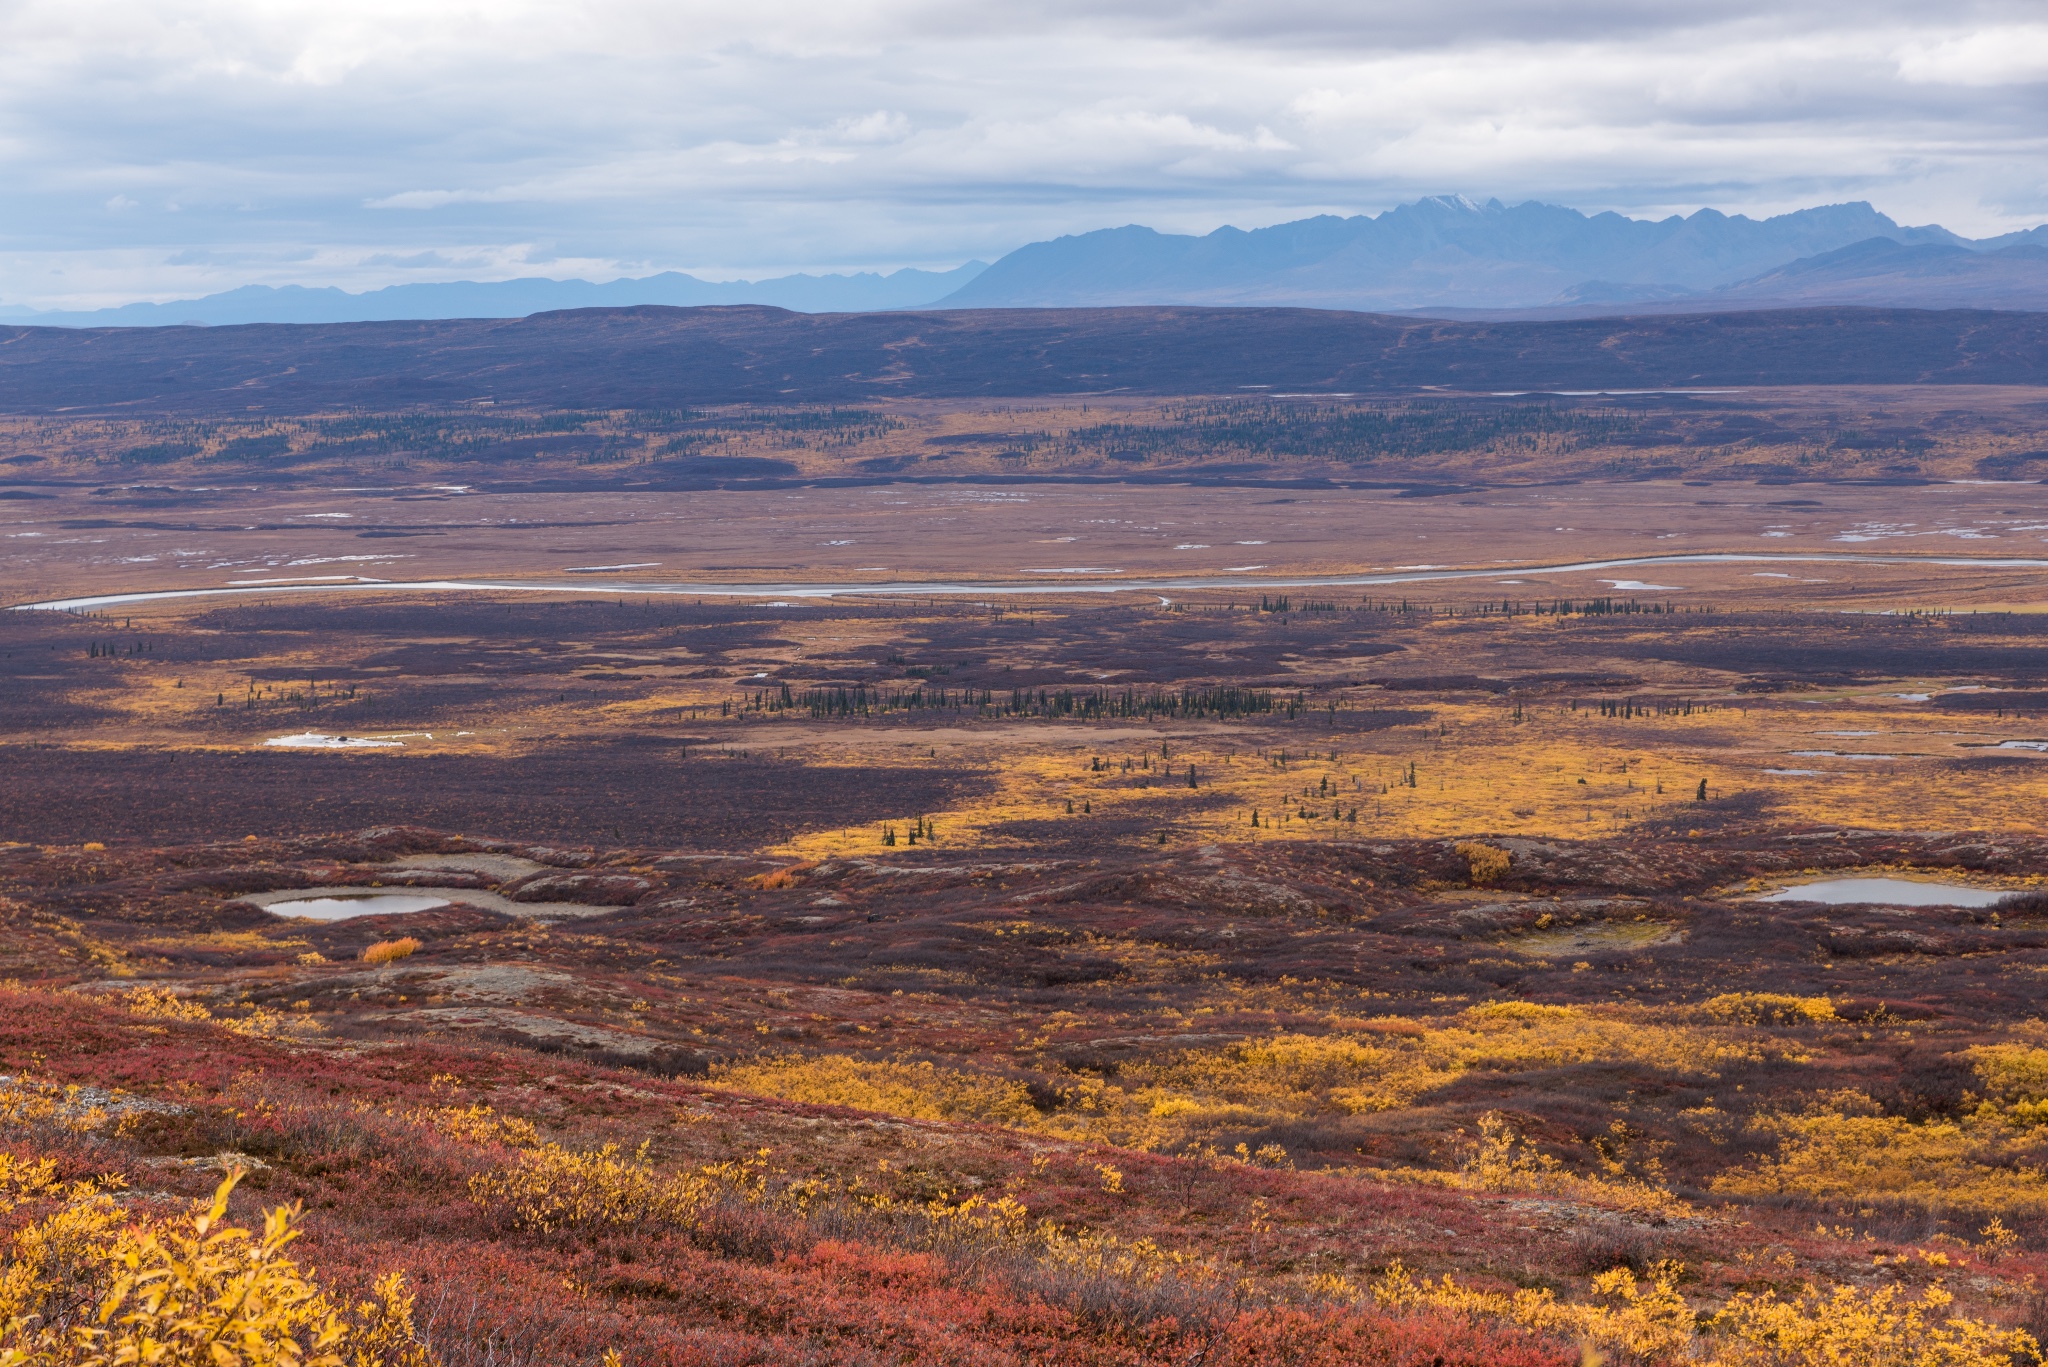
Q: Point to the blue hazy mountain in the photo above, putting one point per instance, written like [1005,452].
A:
[862,293]
[1450,252]
[1443,255]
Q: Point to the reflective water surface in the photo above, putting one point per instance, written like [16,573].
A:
[1887,892]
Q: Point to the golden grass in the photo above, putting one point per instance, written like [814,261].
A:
[1186,1096]
[1557,773]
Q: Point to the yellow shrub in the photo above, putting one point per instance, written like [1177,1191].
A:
[2012,1072]
[920,1091]
[482,1125]
[1768,1008]
[390,951]
[1642,1318]
[1502,1162]
[1846,1324]
[1488,864]
[1520,1011]
[1512,1036]
[28,1103]
[196,1291]
[1290,1073]
[553,1188]
[1830,1155]
[161,1004]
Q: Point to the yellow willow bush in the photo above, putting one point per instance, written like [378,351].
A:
[552,1188]
[1768,1008]
[258,1024]
[1979,1162]
[1004,1220]
[2016,1077]
[1502,1162]
[1648,1319]
[480,1124]
[1845,1325]
[1283,1076]
[1488,864]
[1510,1036]
[30,1104]
[87,1286]
[919,1091]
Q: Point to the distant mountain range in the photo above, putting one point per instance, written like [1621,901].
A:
[1443,257]
[1449,255]
[863,293]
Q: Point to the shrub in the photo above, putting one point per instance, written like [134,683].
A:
[552,1188]
[258,1024]
[1503,1162]
[2014,1074]
[390,951]
[1870,1328]
[1768,1008]
[481,1125]
[46,1108]
[1978,1163]
[81,1288]
[1641,1318]
[165,1005]
[1489,865]
[919,1091]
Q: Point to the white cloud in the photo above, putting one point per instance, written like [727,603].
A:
[2005,55]
[176,146]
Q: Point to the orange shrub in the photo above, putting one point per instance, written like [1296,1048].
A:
[389,951]
[782,878]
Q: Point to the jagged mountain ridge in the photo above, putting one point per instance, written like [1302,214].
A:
[1445,256]
[1444,252]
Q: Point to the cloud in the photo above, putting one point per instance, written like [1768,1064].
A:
[2003,55]
[378,141]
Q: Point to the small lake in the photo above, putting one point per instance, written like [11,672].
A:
[1888,892]
[345,905]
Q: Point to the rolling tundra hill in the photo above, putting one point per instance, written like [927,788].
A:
[657,357]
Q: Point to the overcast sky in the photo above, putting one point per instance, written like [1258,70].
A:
[162,148]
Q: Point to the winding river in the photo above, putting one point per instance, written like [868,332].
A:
[997,588]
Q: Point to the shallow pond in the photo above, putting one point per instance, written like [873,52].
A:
[1888,892]
[319,740]
[340,906]
[339,903]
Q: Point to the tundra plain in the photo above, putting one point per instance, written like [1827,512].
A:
[1220,880]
